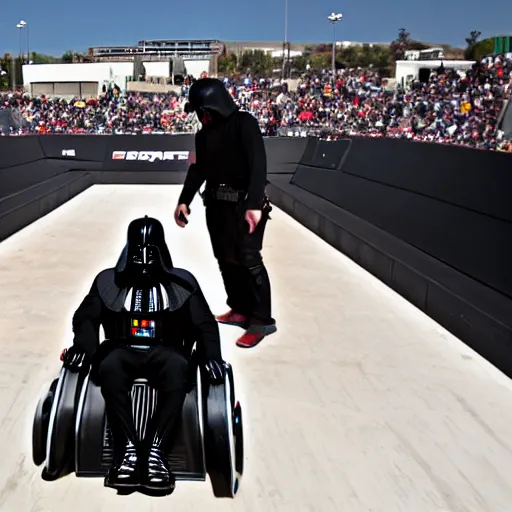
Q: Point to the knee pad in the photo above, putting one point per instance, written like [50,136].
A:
[257,273]
[251,260]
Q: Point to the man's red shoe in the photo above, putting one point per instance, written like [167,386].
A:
[254,334]
[232,318]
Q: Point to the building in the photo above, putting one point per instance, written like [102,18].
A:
[153,65]
[419,64]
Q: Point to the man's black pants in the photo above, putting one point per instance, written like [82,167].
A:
[165,369]
[238,254]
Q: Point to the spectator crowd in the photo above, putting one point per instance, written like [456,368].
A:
[453,107]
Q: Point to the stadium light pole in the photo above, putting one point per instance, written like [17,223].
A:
[28,43]
[21,25]
[334,18]
[285,36]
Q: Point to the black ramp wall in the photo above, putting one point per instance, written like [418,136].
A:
[19,150]
[436,242]
[451,203]
[284,154]
[432,222]
[74,148]
[461,176]
[39,173]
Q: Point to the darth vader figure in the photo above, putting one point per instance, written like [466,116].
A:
[152,315]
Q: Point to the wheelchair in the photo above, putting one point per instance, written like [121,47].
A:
[71,433]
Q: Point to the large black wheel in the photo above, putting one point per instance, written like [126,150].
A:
[61,429]
[238,434]
[40,425]
[223,437]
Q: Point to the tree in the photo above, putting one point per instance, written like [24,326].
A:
[349,56]
[256,62]
[4,75]
[471,41]
[300,62]
[80,57]
[39,58]
[400,45]
[6,66]
[227,64]
[67,57]
[482,49]
[417,45]
[321,61]
[322,48]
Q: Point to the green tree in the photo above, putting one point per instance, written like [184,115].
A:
[300,62]
[256,62]
[67,57]
[365,56]
[321,61]
[39,58]
[349,56]
[322,48]
[483,48]
[4,76]
[79,57]
[5,71]
[6,65]
[400,45]
[227,64]
[471,42]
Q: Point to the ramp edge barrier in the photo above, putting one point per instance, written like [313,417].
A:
[41,201]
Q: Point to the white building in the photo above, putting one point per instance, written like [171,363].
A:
[407,71]
[278,54]
[418,65]
[87,79]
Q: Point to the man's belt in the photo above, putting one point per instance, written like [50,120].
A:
[225,193]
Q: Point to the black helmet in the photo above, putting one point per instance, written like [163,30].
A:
[145,254]
[210,95]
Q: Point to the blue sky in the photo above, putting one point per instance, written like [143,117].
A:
[58,25]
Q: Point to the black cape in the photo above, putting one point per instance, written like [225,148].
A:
[189,316]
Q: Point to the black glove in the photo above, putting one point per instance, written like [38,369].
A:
[75,358]
[216,371]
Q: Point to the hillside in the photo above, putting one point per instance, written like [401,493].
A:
[240,46]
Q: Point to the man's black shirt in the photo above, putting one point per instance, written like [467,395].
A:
[230,152]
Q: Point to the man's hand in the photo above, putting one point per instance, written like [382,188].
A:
[75,358]
[252,217]
[180,215]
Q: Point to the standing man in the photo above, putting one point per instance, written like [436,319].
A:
[231,158]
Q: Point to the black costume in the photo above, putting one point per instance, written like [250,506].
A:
[231,158]
[152,314]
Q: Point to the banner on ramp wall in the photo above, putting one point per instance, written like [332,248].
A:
[157,153]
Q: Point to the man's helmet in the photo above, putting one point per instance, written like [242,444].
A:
[145,255]
[210,96]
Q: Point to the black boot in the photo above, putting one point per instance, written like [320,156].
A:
[125,470]
[158,476]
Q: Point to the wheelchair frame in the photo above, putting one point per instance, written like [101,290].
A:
[70,431]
